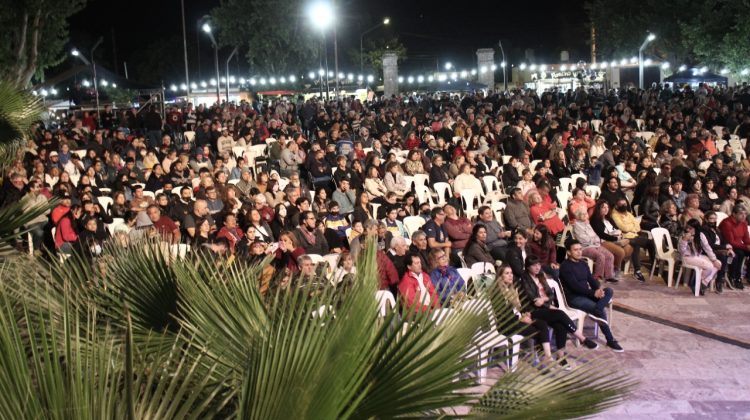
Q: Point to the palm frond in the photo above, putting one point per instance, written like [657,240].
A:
[19,110]
[13,220]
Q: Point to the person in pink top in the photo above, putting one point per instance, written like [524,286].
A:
[416,289]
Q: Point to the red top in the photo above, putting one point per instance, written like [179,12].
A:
[64,232]
[735,233]
[387,273]
[232,235]
[554,224]
[408,289]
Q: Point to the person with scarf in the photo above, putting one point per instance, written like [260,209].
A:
[446,279]
[310,239]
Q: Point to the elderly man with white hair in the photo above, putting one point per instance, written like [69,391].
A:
[397,254]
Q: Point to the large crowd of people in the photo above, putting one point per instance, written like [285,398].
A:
[562,186]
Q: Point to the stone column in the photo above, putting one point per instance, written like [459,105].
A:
[485,60]
[390,74]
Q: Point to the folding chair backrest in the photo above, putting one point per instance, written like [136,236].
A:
[386,302]
[661,238]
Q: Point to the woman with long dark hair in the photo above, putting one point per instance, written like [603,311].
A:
[696,251]
[280,221]
[534,288]
[476,250]
[543,245]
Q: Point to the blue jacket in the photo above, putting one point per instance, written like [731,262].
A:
[447,281]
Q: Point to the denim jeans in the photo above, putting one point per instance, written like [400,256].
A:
[595,307]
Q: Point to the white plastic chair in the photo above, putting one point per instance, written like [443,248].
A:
[468,197]
[233,181]
[564,198]
[316,258]
[149,194]
[506,159]
[698,272]
[596,125]
[481,268]
[661,237]
[386,302]
[718,130]
[105,202]
[424,195]
[574,314]
[487,340]
[594,191]
[238,151]
[720,215]
[466,274]
[443,190]
[375,207]
[189,136]
[409,182]
[421,179]
[179,250]
[111,227]
[575,178]
[566,184]
[490,183]
[413,224]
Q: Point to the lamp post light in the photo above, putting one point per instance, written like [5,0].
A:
[206,27]
[92,63]
[505,79]
[385,21]
[234,51]
[649,38]
[322,16]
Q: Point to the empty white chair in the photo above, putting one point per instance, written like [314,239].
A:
[661,237]
[566,184]
[596,125]
[333,261]
[176,191]
[480,268]
[640,123]
[81,153]
[421,179]
[443,191]
[720,216]
[375,207]
[409,182]
[238,151]
[469,197]
[719,130]
[424,195]
[533,164]
[189,136]
[490,183]
[506,159]
[413,224]
[386,302]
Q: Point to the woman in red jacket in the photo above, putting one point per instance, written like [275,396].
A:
[543,246]
[66,229]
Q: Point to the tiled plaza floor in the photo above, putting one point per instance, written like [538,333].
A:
[683,375]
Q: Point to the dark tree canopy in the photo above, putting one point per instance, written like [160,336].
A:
[275,34]
[33,37]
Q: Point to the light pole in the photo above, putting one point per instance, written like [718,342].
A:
[184,48]
[649,38]
[234,51]
[385,21]
[321,16]
[208,30]
[92,63]
[505,79]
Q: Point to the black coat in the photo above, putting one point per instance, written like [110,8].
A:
[514,259]
[527,288]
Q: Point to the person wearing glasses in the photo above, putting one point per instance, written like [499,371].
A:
[312,240]
[444,277]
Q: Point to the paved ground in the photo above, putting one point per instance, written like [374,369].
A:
[681,374]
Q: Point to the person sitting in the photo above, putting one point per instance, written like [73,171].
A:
[309,238]
[446,279]
[533,286]
[435,230]
[517,214]
[696,251]
[393,225]
[416,290]
[394,180]
[518,252]
[583,292]
[397,254]
[734,230]
[544,213]
[604,261]
[476,249]
[543,245]
[580,201]
[457,227]
[497,237]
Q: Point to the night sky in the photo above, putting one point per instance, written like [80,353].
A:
[430,30]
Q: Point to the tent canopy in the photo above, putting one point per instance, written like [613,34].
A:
[688,76]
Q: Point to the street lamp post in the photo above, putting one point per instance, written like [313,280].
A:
[321,16]
[91,63]
[184,48]
[649,38]
[208,30]
[385,21]
[505,79]
[234,51]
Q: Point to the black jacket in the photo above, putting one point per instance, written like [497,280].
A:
[514,259]
[527,287]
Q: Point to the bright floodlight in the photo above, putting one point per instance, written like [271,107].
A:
[543,67]
[420,79]
[75,52]
[647,62]
[53,91]
[744,72]
[613,63]
[483,69]
[494,67]
[473,72]
[213,82]
[463,74]
[193,85]
[292,78]
[232,79]
[665,65]
[682,68]
[448,65]
[563,67]
[311,75]
[430,79]
[86,83]
[321,72]
[321,14]
[724,71]
[262,81]
[532,67]
[183,86]
[704,69]
[242,80]
[623,62]
[651,37]
[360,77]
[223,80]
[203,83]
[370,78]
[173,88]
[350,76]
[522,66]
[633,60]
[206,28]
[272,80]
[282,79]
[401,79]
[253,82]
[114,85]
[386,21]
[103,82]
[410,79]
[341,75]
[330,74]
